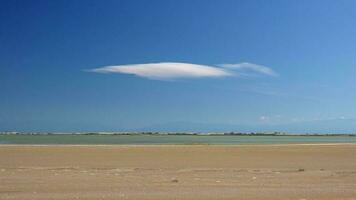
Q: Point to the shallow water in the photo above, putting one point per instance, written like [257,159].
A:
[169,139]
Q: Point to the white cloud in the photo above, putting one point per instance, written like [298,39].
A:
[174,70]
[250,67]
[166,71]
[264,118]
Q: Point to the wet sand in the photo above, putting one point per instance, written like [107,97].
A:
[178,172]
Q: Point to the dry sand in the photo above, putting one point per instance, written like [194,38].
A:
[178,172]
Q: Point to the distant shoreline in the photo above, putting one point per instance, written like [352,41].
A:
[175,145]
[171,139]
[180,133]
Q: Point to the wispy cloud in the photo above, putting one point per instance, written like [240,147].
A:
[174,70]
[247,68]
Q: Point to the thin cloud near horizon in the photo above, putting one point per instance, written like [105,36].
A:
[176,70]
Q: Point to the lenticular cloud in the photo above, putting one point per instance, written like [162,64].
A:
[166,71]
[174,70]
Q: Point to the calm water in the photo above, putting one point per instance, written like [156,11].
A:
[169,139]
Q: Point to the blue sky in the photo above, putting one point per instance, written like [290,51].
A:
[178,65]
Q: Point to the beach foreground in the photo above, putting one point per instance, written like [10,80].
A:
[178,172]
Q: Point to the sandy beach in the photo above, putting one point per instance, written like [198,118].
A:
[178,172]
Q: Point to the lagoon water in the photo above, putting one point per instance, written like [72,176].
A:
[169,139]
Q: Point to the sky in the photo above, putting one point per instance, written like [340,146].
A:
[182,65]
